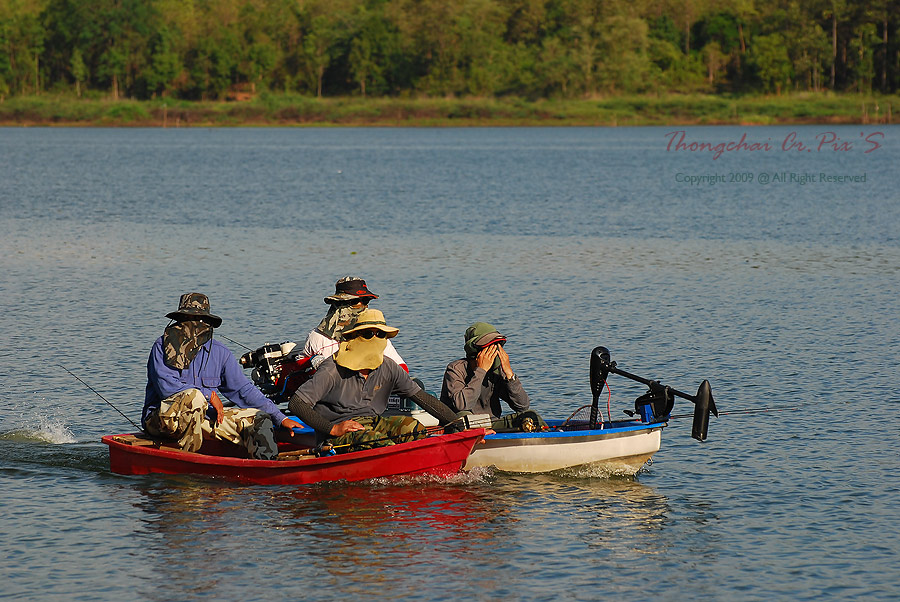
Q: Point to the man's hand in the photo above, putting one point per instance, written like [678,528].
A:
[347,426]
[504,363]
[290,424]
[217,403]
[485,358]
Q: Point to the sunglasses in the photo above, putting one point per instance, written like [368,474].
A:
[353,302]
[368,334]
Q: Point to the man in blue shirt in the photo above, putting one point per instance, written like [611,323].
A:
[187,370]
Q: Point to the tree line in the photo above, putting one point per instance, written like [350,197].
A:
[216,49]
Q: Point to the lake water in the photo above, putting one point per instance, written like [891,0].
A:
[761,270]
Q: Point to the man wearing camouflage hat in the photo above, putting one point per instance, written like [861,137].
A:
[351,296]
[187,370]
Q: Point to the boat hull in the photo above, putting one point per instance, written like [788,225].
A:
[442,456]
[621,449]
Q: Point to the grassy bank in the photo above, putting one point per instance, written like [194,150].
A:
[293,110]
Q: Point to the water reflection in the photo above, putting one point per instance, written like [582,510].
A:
[347,535]
[617,515]
[395,534]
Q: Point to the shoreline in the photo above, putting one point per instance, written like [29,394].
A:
[286,110]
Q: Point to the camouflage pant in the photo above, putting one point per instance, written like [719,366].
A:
[380,431]
[183,417]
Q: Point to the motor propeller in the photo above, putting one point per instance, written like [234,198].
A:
[703,405]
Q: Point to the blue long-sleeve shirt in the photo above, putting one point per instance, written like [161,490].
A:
[213,369]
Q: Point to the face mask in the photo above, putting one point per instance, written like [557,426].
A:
[182,341]
[337,318]
[361,353]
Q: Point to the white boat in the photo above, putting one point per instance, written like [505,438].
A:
[617,448]
[613,447]
[620,447]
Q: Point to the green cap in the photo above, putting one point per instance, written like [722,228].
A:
[479,335]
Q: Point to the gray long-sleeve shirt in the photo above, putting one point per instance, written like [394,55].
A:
[335,394]
[480,392]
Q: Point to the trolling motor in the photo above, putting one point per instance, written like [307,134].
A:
[599,372]
[276,371]
[656,404]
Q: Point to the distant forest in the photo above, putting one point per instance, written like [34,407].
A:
[220,49]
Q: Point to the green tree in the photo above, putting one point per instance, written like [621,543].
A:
[79,70]
[807,45]
[370,45]
[556,67]
[165,64]
[624,64]
[22,42]
[319,48]
[834,10]
[484,60]
[862,45]
[769,54]
[325,31]
[428,31]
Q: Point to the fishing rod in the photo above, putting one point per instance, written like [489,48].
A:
[100,396]
[219,334]
[326,449]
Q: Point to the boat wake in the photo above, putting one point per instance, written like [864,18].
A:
[40,430]
[601,470]
[474,476]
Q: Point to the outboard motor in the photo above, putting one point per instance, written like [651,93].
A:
[277,373]
[265,361]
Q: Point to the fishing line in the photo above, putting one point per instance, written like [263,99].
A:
[100,396]
[743,411]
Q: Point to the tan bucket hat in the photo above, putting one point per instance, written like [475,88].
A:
[368,319]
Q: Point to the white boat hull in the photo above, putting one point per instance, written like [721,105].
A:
[621,448]
[614,450]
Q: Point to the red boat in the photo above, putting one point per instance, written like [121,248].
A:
[441,455]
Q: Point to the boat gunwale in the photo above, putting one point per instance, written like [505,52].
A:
[323,461]
[624,429]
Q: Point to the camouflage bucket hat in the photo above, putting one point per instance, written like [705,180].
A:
[194,306]
[349,288]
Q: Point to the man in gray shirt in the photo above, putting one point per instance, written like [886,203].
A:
[344,400]
[477,382]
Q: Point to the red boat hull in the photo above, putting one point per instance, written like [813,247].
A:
[442,455]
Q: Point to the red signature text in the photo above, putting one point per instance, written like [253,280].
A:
[823,142]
